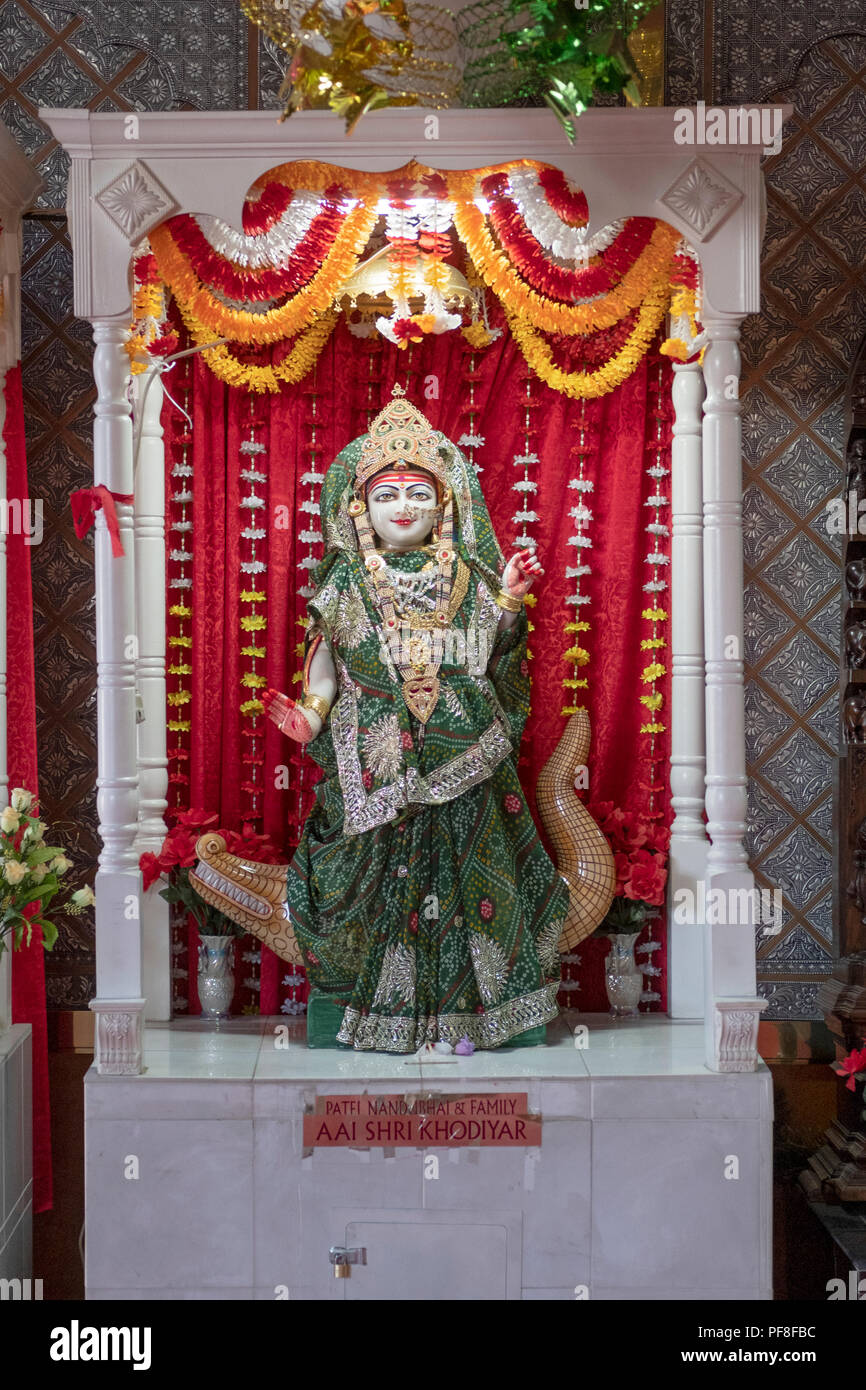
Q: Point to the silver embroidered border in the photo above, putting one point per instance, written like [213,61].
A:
[363,812]
[367,1033]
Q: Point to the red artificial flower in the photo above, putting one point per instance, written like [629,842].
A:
[622,864]
[269,282]
[486,908]
[164,345]
[178,848]
[151,869]
[852,1064]
[196,819]
[633,831]
[406,331]
[249,844]
[646,882]
[658,838]
[512,804]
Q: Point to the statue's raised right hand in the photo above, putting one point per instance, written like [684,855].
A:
[300,724]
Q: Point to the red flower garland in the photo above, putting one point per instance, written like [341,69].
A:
[535,265]
[266,211]
[249,286]
[569,203]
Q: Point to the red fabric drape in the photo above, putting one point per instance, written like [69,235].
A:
[353,376]
[28,964]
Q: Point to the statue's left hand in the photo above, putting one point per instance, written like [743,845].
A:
[520,573]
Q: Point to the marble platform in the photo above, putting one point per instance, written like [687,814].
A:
[16,1153]
[652,1180]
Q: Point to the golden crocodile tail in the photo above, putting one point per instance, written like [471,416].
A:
[250,894]
[584,857]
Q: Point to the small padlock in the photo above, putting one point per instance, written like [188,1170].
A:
[343,1259]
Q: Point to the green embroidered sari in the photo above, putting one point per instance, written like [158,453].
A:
[420,893]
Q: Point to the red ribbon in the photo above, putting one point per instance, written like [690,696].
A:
[86,503]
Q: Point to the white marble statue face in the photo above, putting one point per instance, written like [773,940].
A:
[402,508]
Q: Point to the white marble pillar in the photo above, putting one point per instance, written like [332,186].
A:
[150,614]
[689,844]
[732,1007]
[119,1003]
[6,958]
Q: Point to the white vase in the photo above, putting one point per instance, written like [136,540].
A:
[216,975]
[622,976]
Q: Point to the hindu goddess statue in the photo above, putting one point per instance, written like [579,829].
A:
[423,902]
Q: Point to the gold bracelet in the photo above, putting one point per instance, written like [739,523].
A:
[317,703]
[508,602]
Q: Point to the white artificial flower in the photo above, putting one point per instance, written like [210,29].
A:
[21,800]
[9,820]
[14,871]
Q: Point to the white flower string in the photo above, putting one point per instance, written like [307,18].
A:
[310,535]
[179,519]
[526,486]
[658,558]
[472,440]
[579,569]
[253,473]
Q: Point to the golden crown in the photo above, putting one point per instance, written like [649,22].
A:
[400,434]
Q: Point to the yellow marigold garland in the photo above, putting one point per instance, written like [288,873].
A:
[289,318]
[293,368]
[589,385]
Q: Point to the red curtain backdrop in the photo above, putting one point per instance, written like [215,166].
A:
[353,378]
[28,964]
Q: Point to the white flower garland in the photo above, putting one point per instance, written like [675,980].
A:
[567,243]
[271,248]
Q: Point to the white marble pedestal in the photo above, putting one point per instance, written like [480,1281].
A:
[652,1180]
[16,1156]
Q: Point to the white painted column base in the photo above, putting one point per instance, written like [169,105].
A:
[117,1036]
[735,1033]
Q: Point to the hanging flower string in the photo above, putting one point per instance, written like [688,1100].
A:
[148,313]
[578,568]
[253,568]
[685,306]
[527,488]
[655,645]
